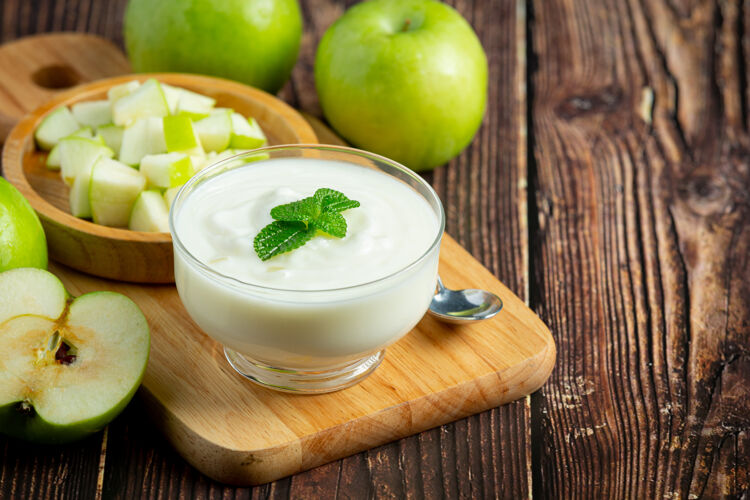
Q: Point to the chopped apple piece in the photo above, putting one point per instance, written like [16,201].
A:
[187,102]
[147,100]
[92,113]
[79,153]
[119,91]
[58,124]
[53,158]
[150,213]
[215,131]
[144,137]
[246,133]
[169,196]
[79,192]
[113,191]
[167,170]
[112,135]
[180,135]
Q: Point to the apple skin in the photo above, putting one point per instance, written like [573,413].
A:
[22,240]
[416,96]
[253,41]
[38,430]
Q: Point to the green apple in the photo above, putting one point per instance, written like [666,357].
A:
[121,90]
[252,41]
[215,131]
[112,136]
[403,78]
[22,240]
[69,366]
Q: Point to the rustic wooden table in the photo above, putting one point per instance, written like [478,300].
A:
[608,187]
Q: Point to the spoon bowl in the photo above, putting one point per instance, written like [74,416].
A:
[463,306]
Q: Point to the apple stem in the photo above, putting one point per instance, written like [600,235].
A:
[26,407]
[407,23]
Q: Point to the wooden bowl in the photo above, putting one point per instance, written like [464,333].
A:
[116,253]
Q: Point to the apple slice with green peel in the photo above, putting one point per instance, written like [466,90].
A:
[147,100]
[69,366]
[169,196]
[78,153]
[80,206]
[215,131]
[246,133]
[112,135]
[113,190]
[150,213]
[144,137]
[180,135]
[167,170]
[58,124]
[92,113]
[188,102]
[53,158]
[121,90]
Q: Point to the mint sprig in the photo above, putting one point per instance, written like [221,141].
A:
[298,222]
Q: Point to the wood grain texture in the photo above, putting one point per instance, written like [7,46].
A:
[114,253]
[641,164]
[485,455]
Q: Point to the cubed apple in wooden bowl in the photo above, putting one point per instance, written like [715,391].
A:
[99,163]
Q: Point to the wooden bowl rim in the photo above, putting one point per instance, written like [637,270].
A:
[24,130]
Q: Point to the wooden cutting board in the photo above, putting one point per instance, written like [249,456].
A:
[240,433]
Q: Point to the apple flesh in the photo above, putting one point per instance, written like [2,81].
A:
[68,366]
[406,79]
[58,124]
[113,190]
[150,213]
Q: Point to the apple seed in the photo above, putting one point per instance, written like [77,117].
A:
[65,354]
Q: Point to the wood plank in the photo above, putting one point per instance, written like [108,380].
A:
[642,245]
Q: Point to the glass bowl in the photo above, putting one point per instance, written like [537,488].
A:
[298,339]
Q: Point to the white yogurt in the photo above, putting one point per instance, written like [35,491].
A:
[321,305]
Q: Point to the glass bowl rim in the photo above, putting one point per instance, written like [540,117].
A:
[215,168]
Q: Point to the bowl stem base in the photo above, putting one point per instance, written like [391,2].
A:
[303,382]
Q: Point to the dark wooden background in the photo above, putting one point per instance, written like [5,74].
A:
[609,187]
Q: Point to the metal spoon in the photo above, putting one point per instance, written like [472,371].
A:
[463,306]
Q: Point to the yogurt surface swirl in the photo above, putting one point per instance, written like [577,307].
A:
[393,227]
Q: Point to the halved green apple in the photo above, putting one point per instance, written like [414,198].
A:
[69,366]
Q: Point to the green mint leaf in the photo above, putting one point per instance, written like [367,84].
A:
[332,223]
[297,222]
[280,237]
[333,201]
[305,210]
